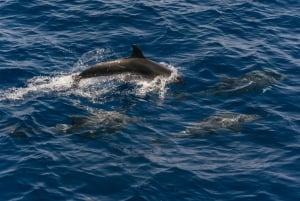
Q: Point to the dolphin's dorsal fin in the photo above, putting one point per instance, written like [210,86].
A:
[136,52]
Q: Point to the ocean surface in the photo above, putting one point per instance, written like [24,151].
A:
[230,132]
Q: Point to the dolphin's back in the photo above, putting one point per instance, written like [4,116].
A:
[129,65]
[147,67]
[104,69]
[135,64]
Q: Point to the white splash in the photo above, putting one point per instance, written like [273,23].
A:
[38,85]
[158,84]
[92,88]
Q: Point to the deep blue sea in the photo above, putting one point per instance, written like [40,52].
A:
[230,132]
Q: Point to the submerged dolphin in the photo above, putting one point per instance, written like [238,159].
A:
[255,80]
[212,124]
[136,64]
[96,122]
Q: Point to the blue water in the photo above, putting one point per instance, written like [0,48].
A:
[111,139]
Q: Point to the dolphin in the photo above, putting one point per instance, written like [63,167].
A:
[136,64]
[254,80]
[215,123]
[96,122]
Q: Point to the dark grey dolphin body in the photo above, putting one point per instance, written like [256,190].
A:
[231,121]
[96,122]
[136,64]
[255,80]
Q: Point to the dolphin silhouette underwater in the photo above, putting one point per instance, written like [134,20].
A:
[136,64]
[215,123]
[255,80]
[96,122]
